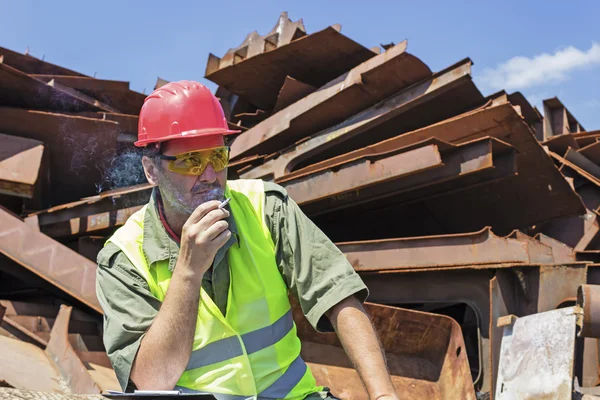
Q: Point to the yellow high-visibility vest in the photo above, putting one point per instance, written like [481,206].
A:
[253,350]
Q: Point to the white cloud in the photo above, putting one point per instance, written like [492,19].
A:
[523,72]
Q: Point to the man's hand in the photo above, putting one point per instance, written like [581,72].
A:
[203,234]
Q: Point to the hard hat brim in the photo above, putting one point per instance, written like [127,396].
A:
[186,135]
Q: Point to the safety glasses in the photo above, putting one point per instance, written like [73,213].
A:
[195,162]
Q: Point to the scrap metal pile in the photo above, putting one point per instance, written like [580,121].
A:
[457,208]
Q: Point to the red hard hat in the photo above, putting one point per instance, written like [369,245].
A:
[180,110]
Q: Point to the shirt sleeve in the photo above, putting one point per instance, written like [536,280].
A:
[315,270]
[129,309]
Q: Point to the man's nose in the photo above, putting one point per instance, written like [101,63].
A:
[209,175]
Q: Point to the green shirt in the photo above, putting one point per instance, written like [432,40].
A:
[314,269]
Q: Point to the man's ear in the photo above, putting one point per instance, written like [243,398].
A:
[150,170]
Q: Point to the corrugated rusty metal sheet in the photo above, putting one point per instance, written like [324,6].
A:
[20,161]
[314,59]
[350,93]
[77,147]
[409,176]
[425,354]
[57,264]
[444,95]
[18,89]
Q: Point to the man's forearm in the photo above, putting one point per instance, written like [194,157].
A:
[360,342]
[165,350]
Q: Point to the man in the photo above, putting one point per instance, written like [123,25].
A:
[195,296]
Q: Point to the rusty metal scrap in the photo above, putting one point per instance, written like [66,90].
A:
[314,59]
[477,248]
[558,120]
[110,93]
[410,175]
[425,354]
[18,89]
[33,65]
[70,366]
[51,260]
[361,87]
[74,156]
[20,161]
[400,113]
[106,210]
[536,359]
[467,213]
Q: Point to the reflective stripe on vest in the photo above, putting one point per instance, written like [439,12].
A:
[252,350]
[230,347]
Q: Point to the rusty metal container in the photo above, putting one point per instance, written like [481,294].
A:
[425,355]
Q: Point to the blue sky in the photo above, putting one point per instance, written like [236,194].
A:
[557,43]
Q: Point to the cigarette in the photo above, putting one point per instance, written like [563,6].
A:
[224,203]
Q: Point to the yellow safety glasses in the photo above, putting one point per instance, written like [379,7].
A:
[195,162]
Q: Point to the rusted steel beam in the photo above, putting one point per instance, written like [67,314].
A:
[560,143]
[577,232]
[77,148]
[582,172]
[284,31]
[47,307]
[52,261]
[85,83]
[425,354]
[558,120]
[560,251]
[475,248]
[291,91]
[538,252]
[20,161]
[583,162]
[531,115]
[444,95]
[20,362]
[357,89]
[314,59]
[17,89]
[408,176]
[584,139]
[106,210]
[537,173]
[22,333]
[81,96]
[33,65]
[591,152]
[110,93]
[537,177]
[588,298]
[64,356]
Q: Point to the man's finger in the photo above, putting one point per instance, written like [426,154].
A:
[215,230]
[202,210]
